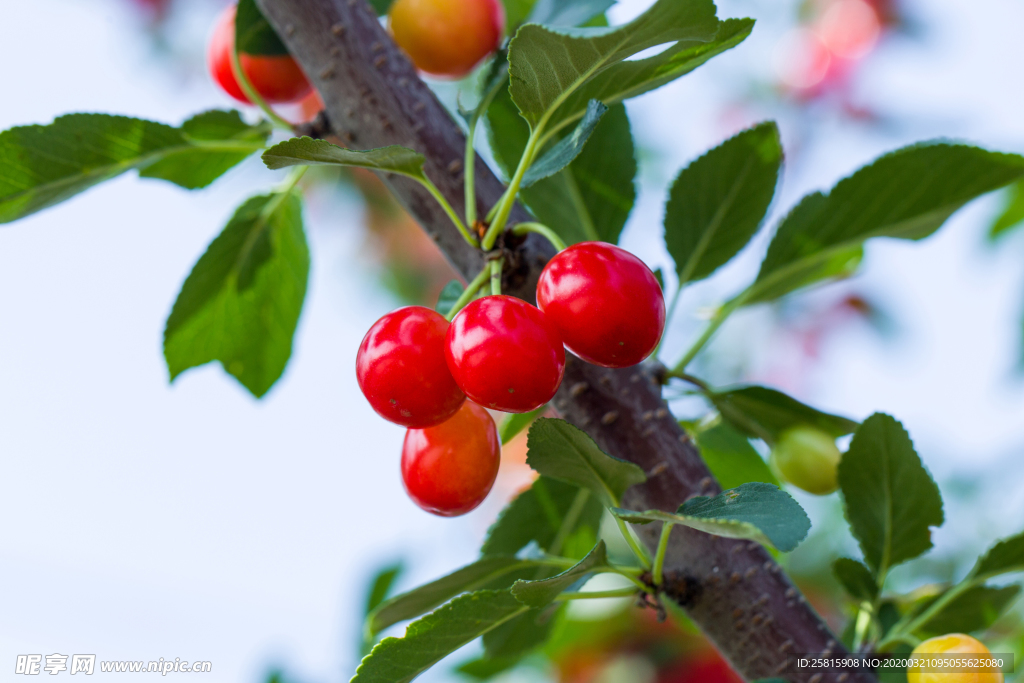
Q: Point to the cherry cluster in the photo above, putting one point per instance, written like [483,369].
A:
[415,367]
[501,353]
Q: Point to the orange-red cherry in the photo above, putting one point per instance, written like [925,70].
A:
[447,37]
[505,355]
[605,302]
[402,370]
[449,469]
[277,78]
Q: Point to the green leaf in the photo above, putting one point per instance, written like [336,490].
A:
[306,151]
[556,72]
[766,413]
[895,674]
[906,194]
[253,33]
[449,295]
[381,586]
[1004,557]
[561,451]
[717,203]
[542,592]
[890,500]
[593,196]
[483,668]
[381,7]
[632,78]
[514,423]
[220,141]
[537,514]
[855,578]
[430,639]
[1012,215]
[591,199]
[41,166]
[481,574]
[731,458]
[838,265]
[563,152]
[567,13]
[516,12]
[976,609]
[755,511]
[660,277]
[241,303]
[517,637]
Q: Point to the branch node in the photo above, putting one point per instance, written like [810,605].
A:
[658,469]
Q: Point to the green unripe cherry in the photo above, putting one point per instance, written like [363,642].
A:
[808,459]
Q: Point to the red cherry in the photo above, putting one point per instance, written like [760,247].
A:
[402,370]
[605,303]
[277,78]
[449,469]
[505,354]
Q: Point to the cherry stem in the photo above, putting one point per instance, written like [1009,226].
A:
[496,266]
[540,229]
[508,200]
[468,292]
[470,159]
[252,94]
[659,559]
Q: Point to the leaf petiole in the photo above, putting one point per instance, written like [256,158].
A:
[436,194]
[727,309]
[659,558]
[592,595]
[627,534]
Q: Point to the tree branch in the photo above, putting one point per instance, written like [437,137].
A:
[744,602]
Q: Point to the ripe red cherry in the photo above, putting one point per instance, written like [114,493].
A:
[449,469]
[605,303]
[277,78]
[447,37]
[402,370]
[505,354]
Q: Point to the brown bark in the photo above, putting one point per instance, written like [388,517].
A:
[745,603]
